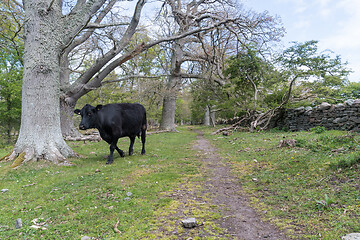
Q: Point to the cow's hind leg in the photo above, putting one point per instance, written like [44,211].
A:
[143,139]
[131,148]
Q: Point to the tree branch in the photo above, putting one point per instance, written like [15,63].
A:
[18,4]
[98,25]
[100,63]
[133,76]
[79,17]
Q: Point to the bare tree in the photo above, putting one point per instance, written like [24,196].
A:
[210,48]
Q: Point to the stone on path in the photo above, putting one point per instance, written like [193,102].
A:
[189,223]
[351,236]
[86,238]
[18,223]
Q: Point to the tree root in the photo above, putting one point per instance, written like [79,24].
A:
[6,157]
[28,155]
[18,160]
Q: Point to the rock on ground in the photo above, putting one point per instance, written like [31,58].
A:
[189,223]
[351,236]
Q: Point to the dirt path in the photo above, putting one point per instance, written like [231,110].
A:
[238,218]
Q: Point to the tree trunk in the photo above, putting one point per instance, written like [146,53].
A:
[172,88]
[40,132]
[207,116]
[67,104]
[168,113]
[68,128]
[212,117]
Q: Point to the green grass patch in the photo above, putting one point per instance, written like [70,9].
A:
[312,189]
[90,197]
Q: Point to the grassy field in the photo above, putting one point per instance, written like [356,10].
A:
[311,190]
[88,198]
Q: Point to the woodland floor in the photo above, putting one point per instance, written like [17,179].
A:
[238,219]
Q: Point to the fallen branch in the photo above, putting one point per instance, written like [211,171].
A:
[93,138]
[233,127]
[115,227]
[159,131]
[268,115]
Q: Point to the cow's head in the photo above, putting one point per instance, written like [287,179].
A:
[88,116]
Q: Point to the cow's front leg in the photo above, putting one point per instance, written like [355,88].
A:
[121,152]
[131,148]
[112,148]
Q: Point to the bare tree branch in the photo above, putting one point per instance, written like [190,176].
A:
[126,78]
[97,25]
[89,73]
[79,17]
[18,3]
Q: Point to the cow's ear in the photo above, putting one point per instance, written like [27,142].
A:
[77,111]
[98,107]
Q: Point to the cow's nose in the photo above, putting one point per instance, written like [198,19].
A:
[82,127]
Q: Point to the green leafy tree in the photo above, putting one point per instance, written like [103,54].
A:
[317,74]
[351,90]
[309,74]
[11,67]
[251,77]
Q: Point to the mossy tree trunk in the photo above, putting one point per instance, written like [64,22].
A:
[47,32]
[40,133]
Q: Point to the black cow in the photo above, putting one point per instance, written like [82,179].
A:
[115,121]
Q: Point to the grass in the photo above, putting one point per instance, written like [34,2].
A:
[311,191]
[87,199]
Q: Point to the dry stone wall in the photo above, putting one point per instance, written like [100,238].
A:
[342,116]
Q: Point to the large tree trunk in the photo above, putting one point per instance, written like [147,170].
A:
[40,133]
[212,117]
[207,116]
[172,88]
[68,128]
[67,103]
[168,112]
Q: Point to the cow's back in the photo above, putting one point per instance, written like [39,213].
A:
[122,119]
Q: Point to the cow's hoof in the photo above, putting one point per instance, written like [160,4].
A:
[130,153]
[122,154]
[109,162]
[142,152]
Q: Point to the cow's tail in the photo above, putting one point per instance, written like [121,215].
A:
[143,126]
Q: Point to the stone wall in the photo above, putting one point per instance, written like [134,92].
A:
[342,116]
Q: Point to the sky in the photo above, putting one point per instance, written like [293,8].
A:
[334,23]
